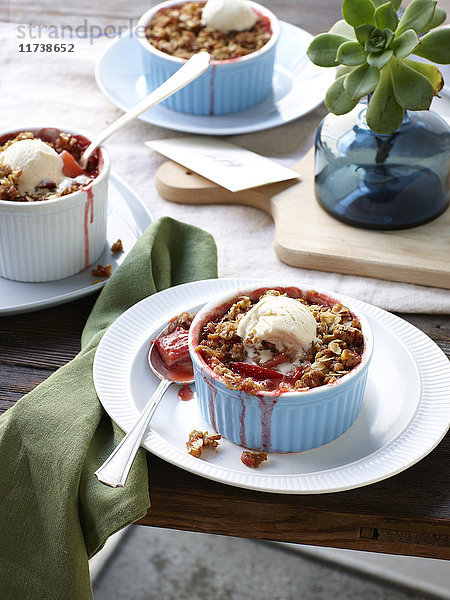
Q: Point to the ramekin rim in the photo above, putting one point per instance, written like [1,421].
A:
[145,18]
[104,173]
[320,390]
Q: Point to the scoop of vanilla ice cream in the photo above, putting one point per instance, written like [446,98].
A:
[280,320]
[228,15]
[36,159]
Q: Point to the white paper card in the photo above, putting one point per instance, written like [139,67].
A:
[224,163]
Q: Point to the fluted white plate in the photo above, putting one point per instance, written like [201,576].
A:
[127,219]
[298,87]
[405,414]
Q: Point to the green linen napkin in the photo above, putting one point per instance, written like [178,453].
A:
[54,513]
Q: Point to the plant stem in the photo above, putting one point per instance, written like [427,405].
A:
[384,145]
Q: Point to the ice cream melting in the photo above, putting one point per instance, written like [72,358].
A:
[282,321]
[229,15]
[37,161]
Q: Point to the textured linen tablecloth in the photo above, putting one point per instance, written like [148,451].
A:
[60,89]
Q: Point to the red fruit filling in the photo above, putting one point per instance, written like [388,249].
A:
[70,166]
[255,371]
[173,347]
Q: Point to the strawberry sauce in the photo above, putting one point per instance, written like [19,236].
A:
[212,401]
[182,372]
[242,431]
[173,352]
[212,89]
[185,394]
[266,406]
[89,206]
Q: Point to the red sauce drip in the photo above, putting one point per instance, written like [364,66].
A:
[211,89]
[242,432]
[88,206]
[185,393]
[266,406]
[212,402]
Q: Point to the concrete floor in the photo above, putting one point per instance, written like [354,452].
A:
[148,563]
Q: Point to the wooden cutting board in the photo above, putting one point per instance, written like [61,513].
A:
[306,236]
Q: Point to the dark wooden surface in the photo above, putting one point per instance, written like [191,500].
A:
[406,514]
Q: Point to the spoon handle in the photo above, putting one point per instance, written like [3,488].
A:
[194,67]
[114,471]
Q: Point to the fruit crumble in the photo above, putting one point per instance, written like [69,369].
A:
[178,31]
[200,440]
[44,166]
[117,246]
[102,271]
[253,459]
[331,336]
[173,346]
[173,350]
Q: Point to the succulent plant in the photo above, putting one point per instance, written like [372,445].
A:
[370,47]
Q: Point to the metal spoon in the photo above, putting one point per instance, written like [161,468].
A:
[192,69]
[114,471]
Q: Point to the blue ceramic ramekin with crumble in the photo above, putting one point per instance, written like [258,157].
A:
[287,422]
[228,86]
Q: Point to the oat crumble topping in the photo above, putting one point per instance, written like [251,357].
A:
[253,459]
[46,189]
[200,440]
[336,350]
[102,271]
[117,246]
[177,30]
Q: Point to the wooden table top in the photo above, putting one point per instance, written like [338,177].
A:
[407,514]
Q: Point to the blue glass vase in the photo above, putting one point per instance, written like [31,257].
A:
[385,182]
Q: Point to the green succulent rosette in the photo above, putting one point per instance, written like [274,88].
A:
[370,47]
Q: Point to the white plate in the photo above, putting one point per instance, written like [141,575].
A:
[406,408]
[128,217]
[298,87]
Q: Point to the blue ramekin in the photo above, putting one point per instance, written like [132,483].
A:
[228,86]
[290,422]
